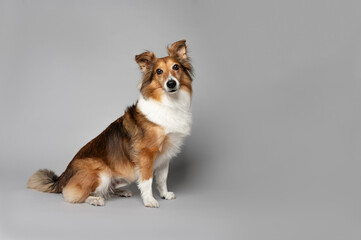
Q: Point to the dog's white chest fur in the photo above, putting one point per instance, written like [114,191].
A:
[173,115]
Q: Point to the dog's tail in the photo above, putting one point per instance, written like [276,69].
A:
[44,180]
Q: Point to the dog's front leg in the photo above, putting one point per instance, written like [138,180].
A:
[145,179]
[161,174]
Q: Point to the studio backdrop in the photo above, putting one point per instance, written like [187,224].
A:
[274,151]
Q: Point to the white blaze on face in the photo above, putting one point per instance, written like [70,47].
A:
[172,90]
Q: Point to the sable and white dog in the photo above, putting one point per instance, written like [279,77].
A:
[140,142]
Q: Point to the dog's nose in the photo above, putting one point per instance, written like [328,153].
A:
[171,84]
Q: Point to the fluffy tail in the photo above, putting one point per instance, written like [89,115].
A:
[44,180]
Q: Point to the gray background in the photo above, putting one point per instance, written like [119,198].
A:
[275,145]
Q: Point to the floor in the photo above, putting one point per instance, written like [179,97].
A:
[27,214]
[203,214]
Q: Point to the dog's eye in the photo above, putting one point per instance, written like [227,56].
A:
[175,67]
[159,71]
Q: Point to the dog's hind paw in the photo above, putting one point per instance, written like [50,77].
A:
[123,193]
[95,201]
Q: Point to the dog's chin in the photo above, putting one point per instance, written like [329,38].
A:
[174,91]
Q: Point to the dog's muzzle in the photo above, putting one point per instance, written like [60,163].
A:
[172,85]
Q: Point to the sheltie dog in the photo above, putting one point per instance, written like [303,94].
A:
[140,142]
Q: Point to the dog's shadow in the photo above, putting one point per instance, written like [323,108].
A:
[179,171]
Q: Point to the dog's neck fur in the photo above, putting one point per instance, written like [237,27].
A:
[173,113]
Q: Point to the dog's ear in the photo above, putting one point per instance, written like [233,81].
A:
[178,50]
[145,61]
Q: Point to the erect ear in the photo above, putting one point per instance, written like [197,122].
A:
[145,61]
[178,50]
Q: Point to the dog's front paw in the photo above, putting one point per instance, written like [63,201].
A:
[151,202]
[169,195]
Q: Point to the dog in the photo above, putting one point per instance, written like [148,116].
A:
[136,145]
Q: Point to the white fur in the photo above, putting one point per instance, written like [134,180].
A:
[102,189]
[175,141]
[95,201]
[161,174]
[173,113]
[169,196]
[171,77]
[147,194]
[161,164]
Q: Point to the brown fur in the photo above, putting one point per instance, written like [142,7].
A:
[152,83]
[129,143]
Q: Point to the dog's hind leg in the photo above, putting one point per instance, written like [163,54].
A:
[118,190]
[122,192]
[79,188]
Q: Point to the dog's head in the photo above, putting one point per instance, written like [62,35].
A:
[167,75]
